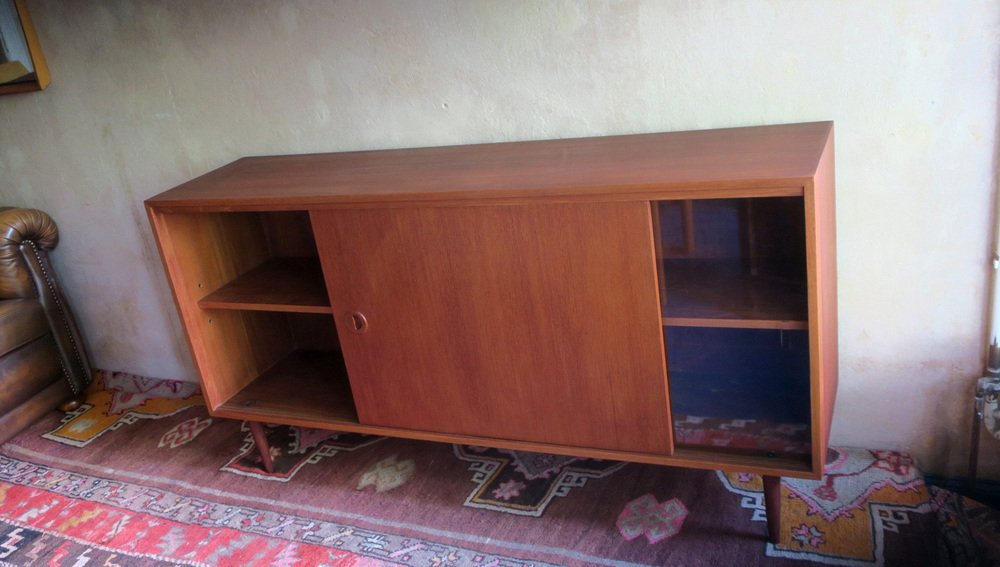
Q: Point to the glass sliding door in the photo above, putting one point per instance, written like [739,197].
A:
[734,310]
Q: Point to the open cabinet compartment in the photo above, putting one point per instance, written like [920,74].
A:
[735,315]
[250,289]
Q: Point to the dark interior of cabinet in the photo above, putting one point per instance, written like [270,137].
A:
[744,389]
[734,305]
[765,235]
[731,260]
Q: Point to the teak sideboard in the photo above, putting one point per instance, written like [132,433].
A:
[658,298]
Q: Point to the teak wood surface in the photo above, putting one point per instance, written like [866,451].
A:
[821,258]
[203,252]
[250,353]
[530,322]
[700,296]
[278,284]
[772,160]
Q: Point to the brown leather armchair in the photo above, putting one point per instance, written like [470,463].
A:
[42,360]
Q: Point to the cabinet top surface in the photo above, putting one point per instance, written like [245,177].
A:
[760,156]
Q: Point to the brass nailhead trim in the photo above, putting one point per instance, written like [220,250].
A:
[61,309]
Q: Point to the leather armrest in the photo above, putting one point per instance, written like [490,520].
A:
[20,228]
[26,236]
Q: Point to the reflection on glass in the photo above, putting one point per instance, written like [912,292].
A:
[736,322]
[743,389]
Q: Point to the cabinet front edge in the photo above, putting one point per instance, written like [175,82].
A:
[299,203]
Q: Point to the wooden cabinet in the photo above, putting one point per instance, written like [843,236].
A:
[628,297]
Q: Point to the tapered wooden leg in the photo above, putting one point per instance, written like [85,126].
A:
[772,507]
[260,439]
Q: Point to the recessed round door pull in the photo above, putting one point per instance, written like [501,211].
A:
[357,322]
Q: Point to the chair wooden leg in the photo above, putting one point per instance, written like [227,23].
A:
[772,507]
[260,439]
[977,425]
[72,403]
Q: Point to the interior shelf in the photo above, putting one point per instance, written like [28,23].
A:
[721,294]
[305,385]
[745,460]
[279,284]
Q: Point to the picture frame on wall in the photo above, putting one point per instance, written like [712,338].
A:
[22,64]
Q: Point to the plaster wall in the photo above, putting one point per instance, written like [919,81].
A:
[146,95]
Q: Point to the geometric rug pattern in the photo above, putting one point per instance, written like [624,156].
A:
[117,399]
[524,483]
[748,433]
[291,449]
[162,526]
[658,521]
[844,518]
[142,475]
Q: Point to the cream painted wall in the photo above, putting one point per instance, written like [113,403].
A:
[146,95]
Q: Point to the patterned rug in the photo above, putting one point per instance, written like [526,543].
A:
[141,475]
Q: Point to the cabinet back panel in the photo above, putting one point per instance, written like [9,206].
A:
[289,234]
[535,323]
[313,331]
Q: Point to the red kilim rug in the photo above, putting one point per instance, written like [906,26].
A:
[141,475]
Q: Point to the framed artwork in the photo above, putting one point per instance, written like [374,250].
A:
[22,65]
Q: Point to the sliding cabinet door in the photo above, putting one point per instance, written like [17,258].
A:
[526,322]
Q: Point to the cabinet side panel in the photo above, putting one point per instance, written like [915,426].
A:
[289,234]
[201,252]
[821,238]
[533,323]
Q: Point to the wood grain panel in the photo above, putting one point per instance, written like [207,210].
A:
[713,161]
[821,240]
[723,295]
[202,252]
[279,284]
[305,385]
[289,234]
[535,323]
